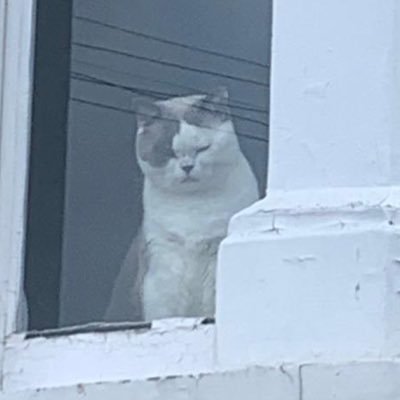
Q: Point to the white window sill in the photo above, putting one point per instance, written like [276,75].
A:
[170,348]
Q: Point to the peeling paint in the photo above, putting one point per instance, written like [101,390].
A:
[287,222]
[300,259]
[172,348]
[81,389]
[286,373]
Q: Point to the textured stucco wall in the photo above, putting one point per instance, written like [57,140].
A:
[333,94]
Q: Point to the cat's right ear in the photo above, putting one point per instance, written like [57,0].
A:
[146,111]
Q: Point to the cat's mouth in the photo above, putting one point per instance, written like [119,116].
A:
[189,179]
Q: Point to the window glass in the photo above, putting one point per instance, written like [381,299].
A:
[132,96]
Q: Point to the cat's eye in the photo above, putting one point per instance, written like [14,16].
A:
[203,148]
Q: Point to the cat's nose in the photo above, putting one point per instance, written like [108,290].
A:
[187,168]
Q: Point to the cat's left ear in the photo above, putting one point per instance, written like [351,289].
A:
[217,102]
[146,111]
[219,95]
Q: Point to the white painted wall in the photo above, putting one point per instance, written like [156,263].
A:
[316,263]
[332,109]
[396,99]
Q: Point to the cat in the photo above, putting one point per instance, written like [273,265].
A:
[195,179]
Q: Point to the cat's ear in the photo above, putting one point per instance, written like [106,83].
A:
[217,102]
[146,111]
[219,95]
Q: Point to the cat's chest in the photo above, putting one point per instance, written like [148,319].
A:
[192,231]
[194,252]
[189,218]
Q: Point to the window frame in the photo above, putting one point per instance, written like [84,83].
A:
[15,85]
[16,34]
[168,347]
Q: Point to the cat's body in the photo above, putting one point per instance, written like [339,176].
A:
[196,178]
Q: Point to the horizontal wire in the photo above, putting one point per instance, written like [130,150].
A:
[146,92]
[234,103]
[170,42]
[168,63]
[131,112]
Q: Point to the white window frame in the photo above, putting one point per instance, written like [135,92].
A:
[15,82]
[169,347]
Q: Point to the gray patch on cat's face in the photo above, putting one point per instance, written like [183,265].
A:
[209,111]
[154,143]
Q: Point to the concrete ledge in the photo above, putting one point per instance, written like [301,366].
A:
[373,380]
[358,381]
[251,384]
[311,277]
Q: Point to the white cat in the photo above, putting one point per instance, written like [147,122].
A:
[196,178]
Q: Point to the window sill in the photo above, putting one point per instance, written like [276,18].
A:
[171,347]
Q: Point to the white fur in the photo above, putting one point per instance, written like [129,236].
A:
[185,220]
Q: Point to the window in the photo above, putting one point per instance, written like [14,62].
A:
[94,63]
[85,188]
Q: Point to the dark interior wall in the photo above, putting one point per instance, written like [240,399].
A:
[103,182]
[47,162]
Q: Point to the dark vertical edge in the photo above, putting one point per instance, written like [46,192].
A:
[46,188]
[270,25]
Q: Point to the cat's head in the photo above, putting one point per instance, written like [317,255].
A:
[186,144]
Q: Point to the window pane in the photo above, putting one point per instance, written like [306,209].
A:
[79,234]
